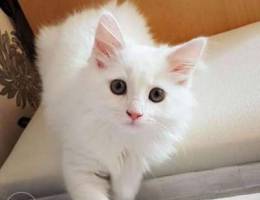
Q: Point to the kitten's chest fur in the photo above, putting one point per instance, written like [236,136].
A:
[112,145]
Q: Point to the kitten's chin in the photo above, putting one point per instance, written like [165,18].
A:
[133,125]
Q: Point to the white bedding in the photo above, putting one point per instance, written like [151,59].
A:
[243,197]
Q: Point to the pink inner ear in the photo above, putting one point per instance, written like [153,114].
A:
[183,59]
[103,48]
[187,55]
[108,40]
[100,64]
[181,68]
[182,73]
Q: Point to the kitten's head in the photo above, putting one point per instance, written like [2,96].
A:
[141,87]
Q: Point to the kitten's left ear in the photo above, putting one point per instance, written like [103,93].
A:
[108,40]
[183,59]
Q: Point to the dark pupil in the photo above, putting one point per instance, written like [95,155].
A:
[118,87]
[157,95]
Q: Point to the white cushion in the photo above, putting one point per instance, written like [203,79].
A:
[225,130]
[243,197]
[34,164]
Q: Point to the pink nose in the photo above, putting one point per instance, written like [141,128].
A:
[133,115]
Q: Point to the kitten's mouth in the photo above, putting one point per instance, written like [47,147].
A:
[133,124]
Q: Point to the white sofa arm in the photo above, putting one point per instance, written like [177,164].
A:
[34,164]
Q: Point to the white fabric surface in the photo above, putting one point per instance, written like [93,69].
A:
[240,197]
[34,164]
[204,185]
[243,197]
[225,130]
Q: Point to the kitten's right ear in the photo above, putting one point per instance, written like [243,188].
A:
[108,40]
[184,58]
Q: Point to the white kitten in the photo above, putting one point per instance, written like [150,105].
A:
[119,102]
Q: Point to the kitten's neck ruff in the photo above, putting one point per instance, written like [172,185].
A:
[111,143]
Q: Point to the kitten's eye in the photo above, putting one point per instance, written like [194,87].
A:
[156,95]
[118,87]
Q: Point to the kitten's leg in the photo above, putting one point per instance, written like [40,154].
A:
[86,186]
[82,181]
[125,185]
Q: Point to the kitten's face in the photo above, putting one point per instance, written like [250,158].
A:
[137,91]
[139,88]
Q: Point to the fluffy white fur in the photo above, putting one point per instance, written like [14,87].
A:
[97,135]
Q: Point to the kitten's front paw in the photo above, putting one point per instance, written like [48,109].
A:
[124,195]
[123,198]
